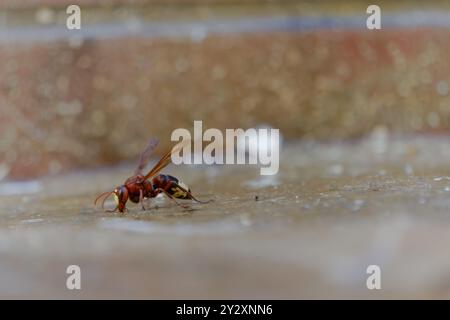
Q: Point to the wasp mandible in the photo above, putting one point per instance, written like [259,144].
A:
[139,187]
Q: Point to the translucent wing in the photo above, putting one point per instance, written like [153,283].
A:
[146,154]
[166,159]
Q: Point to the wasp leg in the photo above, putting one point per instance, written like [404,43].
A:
[159,190]
[141,199]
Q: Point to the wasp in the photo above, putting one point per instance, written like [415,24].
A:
[139,186]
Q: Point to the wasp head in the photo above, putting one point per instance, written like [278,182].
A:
[121,197]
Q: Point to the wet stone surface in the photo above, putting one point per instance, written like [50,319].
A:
[309,232]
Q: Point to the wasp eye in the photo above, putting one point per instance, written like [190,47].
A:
[121,193]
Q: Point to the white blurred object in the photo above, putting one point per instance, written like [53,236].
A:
[259,142]
[379,139]
[442,88]
[45,16]
[20,188]
[4,170]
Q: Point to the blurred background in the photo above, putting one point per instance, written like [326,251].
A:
[84,98]
[364,171]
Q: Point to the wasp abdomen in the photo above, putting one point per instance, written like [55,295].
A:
[172,185]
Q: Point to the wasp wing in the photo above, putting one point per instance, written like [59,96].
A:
[166,159]
[146,154]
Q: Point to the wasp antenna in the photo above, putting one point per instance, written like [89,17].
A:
[103,194]
[104,199]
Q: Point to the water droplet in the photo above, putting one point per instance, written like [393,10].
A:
[442,88]
[71,108]
[379,139]
[198,33]
[246,221]
[409,170]
[357,204]
[19,187]
[433,119]
[4,170]
[336,170]
[44,15]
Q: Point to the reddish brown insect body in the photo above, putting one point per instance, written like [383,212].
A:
[139,186]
